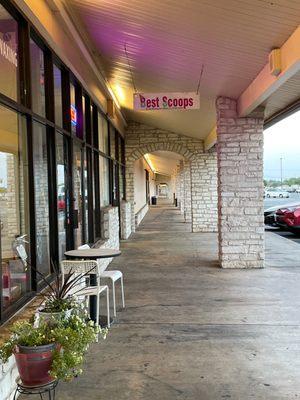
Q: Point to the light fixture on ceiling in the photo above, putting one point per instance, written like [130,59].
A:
[149,162]
[114,97]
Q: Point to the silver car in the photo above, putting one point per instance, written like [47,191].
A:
[276,193]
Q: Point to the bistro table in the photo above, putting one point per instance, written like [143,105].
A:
[93,254]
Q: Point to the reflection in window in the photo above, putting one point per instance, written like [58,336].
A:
[86,198]
[77,190]
[57,95]
[37,78]
[83,118]
[73,108]
[8,55]
[40,166]
[112,139]
[122,183]
[102,133]
[13,203]
[62,204]
[104,181]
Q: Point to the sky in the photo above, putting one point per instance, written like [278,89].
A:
[283,140]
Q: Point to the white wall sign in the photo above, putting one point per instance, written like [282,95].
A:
[166,101]
[8,53]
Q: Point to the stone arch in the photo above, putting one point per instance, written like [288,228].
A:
[138,152]
[200,176]
[160,146]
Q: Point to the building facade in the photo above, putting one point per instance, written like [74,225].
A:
[61,159]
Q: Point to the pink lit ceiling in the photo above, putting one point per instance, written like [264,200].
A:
[168,41]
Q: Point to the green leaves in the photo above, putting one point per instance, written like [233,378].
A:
[73,335]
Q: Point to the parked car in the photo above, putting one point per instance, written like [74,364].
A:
[276,193]
[289,218]
[61,204]
[270,213]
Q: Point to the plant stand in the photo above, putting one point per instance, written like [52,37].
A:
[49,389]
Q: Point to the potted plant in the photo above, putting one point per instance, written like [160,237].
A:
[59,297]
[52,350]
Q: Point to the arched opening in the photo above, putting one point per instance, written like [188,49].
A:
[160,178]
[163,191]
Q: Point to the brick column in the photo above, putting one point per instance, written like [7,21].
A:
[240,187]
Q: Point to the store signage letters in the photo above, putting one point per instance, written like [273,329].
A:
[166,101]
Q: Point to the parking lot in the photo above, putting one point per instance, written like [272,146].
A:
[294,197]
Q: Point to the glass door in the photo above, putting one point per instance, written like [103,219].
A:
[41,199]
[14,214]
[63,204]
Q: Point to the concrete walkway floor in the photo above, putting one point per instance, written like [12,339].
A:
[191,330]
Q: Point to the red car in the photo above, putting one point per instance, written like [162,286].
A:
[289,218]
[61,203]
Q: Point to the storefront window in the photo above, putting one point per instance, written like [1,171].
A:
[102,133]
[13,204]
[122,183]
[77,190]
[37,79]
[86,198]
[9,77]
[73,108]
[57,95]
[83,118]
[62,199]
[91,156]
[96,198]
[104,181]
[112,140]
[40,168]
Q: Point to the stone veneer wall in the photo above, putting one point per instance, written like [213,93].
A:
[141,139]
[240,187]
[110,231]
[125,220]
[187,191]
[182,194]
[8,375]
[139,216]
[177,185]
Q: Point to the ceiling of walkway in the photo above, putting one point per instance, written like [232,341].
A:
[164,162]
[168,42]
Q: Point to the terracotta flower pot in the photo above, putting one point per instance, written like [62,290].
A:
[34,364]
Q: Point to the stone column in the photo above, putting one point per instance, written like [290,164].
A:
[204,192]
[187,191]
[177,185]
[182,197]
[240,187]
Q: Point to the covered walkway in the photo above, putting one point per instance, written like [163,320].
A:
[192,330]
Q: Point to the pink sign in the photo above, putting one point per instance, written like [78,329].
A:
[166,101]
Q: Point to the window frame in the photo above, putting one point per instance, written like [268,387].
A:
[86,134]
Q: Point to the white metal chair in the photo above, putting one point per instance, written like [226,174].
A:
[88,267]
[114,276]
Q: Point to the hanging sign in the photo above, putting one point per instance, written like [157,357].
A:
[166,101]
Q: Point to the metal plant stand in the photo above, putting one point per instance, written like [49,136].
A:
[48,389]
